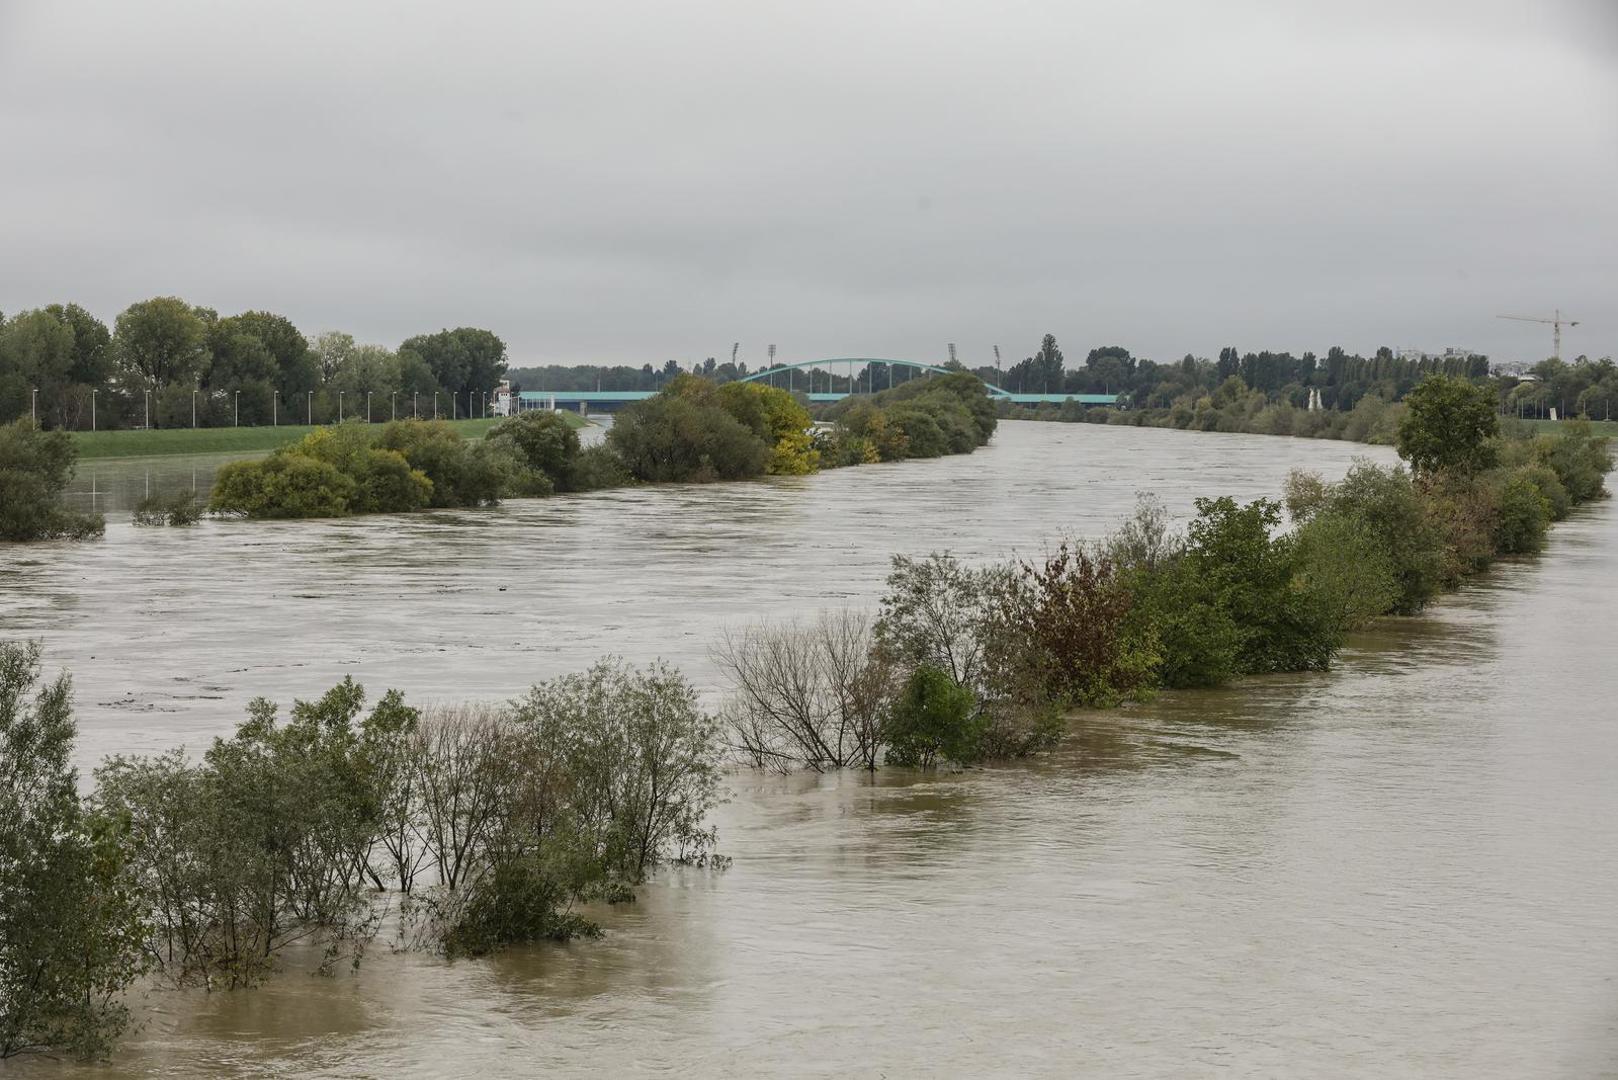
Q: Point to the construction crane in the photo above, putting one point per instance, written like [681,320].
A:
[1556,322]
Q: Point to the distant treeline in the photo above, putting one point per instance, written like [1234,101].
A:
[167,363]
[1337,396]
[1341,378]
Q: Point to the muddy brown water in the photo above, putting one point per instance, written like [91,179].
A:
[1402,867]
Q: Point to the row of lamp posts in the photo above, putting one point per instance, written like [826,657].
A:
[275,406]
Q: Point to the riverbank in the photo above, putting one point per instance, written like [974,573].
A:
[1608,428]
[105,445]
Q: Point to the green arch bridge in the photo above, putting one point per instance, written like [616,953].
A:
[805,376]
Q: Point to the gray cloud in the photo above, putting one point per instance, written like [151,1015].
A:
[629,182]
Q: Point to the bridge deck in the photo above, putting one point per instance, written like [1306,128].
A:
[538,398]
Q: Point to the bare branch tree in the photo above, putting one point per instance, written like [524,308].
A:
[806,696]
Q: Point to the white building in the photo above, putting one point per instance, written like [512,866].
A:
[505,402]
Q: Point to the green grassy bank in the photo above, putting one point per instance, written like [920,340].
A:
[1552,427]
[232,440]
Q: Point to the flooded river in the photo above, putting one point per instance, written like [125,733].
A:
[1404,867]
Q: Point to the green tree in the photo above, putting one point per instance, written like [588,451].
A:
[266,841]
[92,344]
[541,441]
[464,360]
[642,757]
[935,718]
[70,924]
[772,414]
[367,368]
[1232,603]
[685,435]
[37,348]
[1064,625]
[461,474]
[1388,506]
[1522,517]
[160,343]
[283,485]
[243,363]
[330,352]
[1344,566]
[35,469]
[1580,458]
[294,365]
[1448,427]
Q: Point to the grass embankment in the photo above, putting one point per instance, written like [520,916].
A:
[232,440]
[1553,427]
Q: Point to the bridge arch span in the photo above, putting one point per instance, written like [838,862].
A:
[856,362]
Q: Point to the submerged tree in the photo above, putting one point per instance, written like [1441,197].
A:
[69,922]
[35,469]
[810,696]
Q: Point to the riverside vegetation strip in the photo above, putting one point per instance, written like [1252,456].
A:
[487,825]
[693,431]
[166,442]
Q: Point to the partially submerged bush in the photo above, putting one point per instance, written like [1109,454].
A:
[923,418]
[461,473]
[576,791]
[283,485]
[1387,504]
[675,439]
[262,843]
[176,508]
[69,925]
[1066,621]
[1522,515]
[934,719]
[810,696]
[35,469]
[544,443]
[490,821]
[695,431]
[1580,458]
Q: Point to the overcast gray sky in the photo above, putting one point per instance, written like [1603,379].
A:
[635,181]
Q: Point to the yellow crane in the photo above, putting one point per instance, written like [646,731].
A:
[1556,328]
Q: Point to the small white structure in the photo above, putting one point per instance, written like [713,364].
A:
[504,400]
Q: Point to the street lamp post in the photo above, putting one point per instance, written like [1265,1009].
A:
[193,410]
[93,409]
[275,408]
[309,404]
[367,406]
[236,410]
[148,410]
[339,406]
[435,404]
[393,410]
[33,406]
